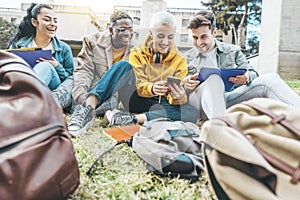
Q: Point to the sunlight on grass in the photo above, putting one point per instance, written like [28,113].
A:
[295,84]
[121,174]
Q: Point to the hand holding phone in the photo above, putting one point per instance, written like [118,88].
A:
[173,79]
[176,91]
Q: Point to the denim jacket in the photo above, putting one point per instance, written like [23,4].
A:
[228,56]
[62,53]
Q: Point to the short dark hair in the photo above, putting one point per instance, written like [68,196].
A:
[201,18]
[117,15]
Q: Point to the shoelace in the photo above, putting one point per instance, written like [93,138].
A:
[122,118]
[78,115]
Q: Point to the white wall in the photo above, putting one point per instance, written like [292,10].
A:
[269,36]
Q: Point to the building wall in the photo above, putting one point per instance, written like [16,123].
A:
[289,43]
[142,18]
[11,15]
[279,49]
[74,21]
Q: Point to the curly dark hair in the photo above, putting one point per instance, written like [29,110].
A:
[117,15]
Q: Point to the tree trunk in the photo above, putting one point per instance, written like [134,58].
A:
[242,29]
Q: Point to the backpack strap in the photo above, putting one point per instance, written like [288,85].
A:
[148,124]
[181,132]
[277,163]
[280,119]
[100,156]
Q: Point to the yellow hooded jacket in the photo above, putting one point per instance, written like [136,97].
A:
[147,72]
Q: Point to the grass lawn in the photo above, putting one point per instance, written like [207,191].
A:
[121,174]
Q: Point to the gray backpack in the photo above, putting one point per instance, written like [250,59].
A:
[170,148]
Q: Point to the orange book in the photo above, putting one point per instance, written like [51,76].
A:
[122,133]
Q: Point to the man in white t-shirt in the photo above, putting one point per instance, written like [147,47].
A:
[210,97]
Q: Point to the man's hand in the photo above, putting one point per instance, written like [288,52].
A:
[239,79]
[190,82]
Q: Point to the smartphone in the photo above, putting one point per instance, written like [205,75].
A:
[172,79]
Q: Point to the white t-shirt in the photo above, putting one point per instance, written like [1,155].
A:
[209,59]
[50,46]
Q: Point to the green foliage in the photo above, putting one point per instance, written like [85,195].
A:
[232,12]
[7,30]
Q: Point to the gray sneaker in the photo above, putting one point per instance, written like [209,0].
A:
[119,118]
[81,119]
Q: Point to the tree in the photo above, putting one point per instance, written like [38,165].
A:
[235,16]
[7,30]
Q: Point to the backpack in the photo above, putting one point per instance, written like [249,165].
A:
[254,151]
[37,159]
[170,148]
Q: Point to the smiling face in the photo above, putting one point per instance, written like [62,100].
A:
[46,23]
[203,38]
[122,32]
[163,38]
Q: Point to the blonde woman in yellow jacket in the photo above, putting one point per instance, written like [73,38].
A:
[152,65]
[142,82]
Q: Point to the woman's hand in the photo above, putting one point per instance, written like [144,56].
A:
[190,82]
[176,91]
[160,88]
[53,62]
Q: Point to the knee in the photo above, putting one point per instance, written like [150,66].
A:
[271,76]
[43,67]
[269,79]
[124,64]
[215,82]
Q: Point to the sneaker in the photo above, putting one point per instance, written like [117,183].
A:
[119,118]
[80,120]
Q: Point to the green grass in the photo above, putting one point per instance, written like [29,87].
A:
[295,84]
[121,174]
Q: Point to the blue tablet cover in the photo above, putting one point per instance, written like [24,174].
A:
[205,72]
[30,56]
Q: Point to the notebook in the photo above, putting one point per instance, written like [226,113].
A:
[122,133]
[31,55]
[205,72]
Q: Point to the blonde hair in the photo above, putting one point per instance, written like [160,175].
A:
[162,18]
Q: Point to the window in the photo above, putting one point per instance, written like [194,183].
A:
[136,36]
[184,22]
[13,20]
[184,37]
[136,20]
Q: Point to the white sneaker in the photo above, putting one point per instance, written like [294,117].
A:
[119,118]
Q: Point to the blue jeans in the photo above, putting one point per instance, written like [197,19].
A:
[47,74]
[63,94]
[120,77]
[209,97]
